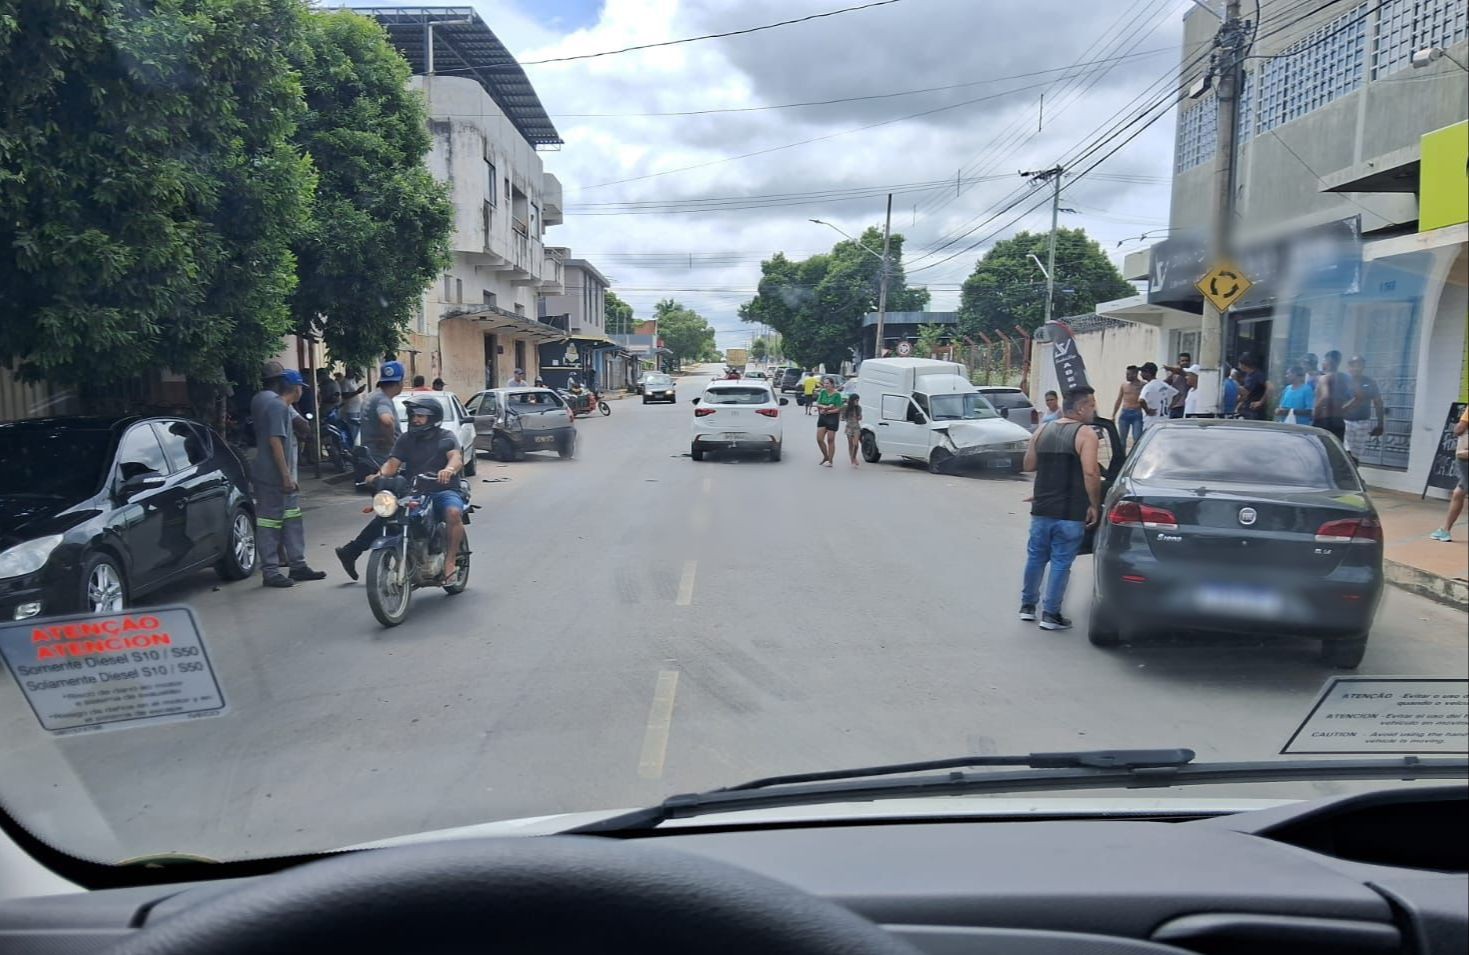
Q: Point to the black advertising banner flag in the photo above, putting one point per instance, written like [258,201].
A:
[1442,473]
[1070,369]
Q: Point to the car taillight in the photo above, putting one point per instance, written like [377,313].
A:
[1134,514]
[701,412]
[768,412]
[1350,530]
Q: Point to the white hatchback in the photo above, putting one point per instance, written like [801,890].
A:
[739,415]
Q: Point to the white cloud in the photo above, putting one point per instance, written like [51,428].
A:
[913,44]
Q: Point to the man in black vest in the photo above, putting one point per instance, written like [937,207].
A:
[1067,499]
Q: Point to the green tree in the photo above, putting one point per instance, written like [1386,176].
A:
[619,315]
[1006,289]
[149,186]
[759,350]
[817,303]
[381,223]
[685,332]
[931,337]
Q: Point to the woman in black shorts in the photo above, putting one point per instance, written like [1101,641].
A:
[829,403]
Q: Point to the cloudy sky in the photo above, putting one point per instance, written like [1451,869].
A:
[1091,59]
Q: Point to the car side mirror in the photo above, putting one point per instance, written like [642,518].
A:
[785,401]
[138,483]
[1005,413]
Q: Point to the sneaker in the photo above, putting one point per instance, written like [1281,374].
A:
[278,580]
[1442,535]
[1027,611]
[349,561]
[306,573]
[1054,621]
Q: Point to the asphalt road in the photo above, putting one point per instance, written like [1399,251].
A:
[638,624]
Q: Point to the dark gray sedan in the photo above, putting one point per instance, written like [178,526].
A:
[1239,527]
[508,422]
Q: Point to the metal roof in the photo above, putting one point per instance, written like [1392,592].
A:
[463,45]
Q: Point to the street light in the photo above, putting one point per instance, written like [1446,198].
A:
[882,288]
[1425,57]
[1032,256]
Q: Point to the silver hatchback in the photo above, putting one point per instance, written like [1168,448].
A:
[508,422]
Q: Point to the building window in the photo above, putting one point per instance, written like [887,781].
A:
[535,221]
[1323,65]
[485,223]
[458,290]
[490,182]
[448,287]
[1245,131]
[1406,26]
[489,296]
[519,309]
[1198,133]
[420,319]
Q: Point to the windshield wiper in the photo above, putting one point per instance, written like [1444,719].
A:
[1097,769]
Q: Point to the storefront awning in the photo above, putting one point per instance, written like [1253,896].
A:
[595,341]
[492,318]
[1136,308]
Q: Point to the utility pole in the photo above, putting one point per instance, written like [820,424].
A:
[1054,176]
[1229,43]
[882,287]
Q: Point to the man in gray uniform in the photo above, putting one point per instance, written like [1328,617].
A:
[273,472]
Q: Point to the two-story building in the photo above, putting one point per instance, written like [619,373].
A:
[481,320]
[1349,204]
[581,310]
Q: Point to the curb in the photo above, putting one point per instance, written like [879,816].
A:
[1445,590]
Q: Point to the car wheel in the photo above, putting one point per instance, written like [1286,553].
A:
[503,449]
[238,561]
[471,463]
[775,453]
[1100,629]
[870,454]
[567,449]
[940,461]
[645,399]
[1344,652]
[697,453]
[104,588]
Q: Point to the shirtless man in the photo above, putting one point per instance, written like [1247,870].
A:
[1129,399]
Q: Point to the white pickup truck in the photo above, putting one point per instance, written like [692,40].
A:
[927,410]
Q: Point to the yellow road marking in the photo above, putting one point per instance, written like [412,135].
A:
[660,719]
[686,583]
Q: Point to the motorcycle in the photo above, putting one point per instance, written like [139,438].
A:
[335,439]
[410,555]
[583,401]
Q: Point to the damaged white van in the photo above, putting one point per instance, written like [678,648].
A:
[927,410]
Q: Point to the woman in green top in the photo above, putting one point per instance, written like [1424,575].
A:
[829,404]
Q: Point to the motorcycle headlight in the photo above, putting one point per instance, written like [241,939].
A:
[27,558]
[385,504]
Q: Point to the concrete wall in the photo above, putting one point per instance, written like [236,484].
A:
[1106,352]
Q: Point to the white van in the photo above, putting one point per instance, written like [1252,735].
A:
[926,410]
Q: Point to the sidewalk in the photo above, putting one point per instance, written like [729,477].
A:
[1414,561]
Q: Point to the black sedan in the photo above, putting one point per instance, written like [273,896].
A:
[1239,527]
[96,512]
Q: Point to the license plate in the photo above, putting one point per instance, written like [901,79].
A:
[998,463]
[545,438]
[1240,601]
[735,436]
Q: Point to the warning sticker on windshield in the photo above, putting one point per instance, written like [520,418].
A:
[1364,715]
[98,672]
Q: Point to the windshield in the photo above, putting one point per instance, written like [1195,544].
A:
[970,407]
[1241,243]
[1244,456]
[67,463]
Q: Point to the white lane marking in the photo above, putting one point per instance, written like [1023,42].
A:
[686,583]
[660,719]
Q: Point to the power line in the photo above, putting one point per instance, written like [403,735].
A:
[857,99]
[710,36]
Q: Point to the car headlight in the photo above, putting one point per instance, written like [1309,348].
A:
[385,504]
[1016,446]
[27,558]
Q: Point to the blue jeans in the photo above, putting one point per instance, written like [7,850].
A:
[444,500]
[1056,542]
[1130,421]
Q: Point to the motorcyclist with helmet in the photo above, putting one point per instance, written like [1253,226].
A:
[425,448]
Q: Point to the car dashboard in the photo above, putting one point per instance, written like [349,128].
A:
[1379,872]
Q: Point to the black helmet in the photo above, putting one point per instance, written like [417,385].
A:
[435,413]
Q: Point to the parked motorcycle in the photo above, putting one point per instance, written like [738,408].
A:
[583,401]
[338,444]
[410,555]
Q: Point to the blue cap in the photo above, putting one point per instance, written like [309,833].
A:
[391,371]
[292,377]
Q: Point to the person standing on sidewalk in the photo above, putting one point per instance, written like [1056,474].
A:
[1067,499]
[1156,396]
[808,387]
[1461,462]
[1333,391]
[1127,410]
[852,415]
[281,530]
[351,388]
[1178,380]
[1366,418]
[1053,407]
